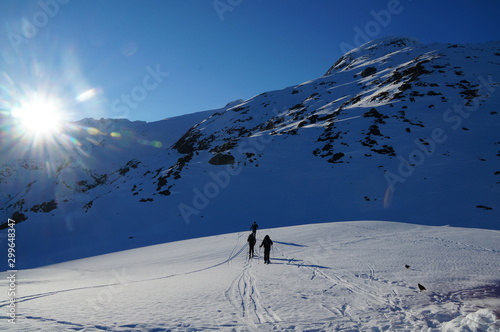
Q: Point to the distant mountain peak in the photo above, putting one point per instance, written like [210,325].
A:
[382,45]
[387,42]
[398,131]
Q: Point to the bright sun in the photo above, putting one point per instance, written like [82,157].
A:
[39,116]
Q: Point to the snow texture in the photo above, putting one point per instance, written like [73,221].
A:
[396,130]
[344,276]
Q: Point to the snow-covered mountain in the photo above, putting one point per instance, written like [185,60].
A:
[395,130]
[342,276]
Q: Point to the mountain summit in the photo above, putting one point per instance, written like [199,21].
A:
[395,130]
[374,49]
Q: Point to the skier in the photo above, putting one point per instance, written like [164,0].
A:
[254,228]
[251,244]
[267,243]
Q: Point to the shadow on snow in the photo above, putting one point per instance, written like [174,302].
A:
[291,244]
[297,262]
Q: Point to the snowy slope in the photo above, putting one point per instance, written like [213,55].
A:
[345,276]
[395,130]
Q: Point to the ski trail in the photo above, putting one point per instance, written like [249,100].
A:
[233,255]
[268,315]
[338,278]
[367,286]
[244,296]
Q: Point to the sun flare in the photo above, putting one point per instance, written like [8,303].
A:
[39,116]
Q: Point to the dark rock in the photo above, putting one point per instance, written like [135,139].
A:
[222,159]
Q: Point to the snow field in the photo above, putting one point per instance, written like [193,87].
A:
[415,141]
[346,276]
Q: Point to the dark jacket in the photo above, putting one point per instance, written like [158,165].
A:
[267,242]
[251,240]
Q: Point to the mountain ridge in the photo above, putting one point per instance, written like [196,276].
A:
[387,135]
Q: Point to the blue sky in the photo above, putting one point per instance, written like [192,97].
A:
[151,59]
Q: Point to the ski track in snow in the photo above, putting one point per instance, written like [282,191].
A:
[389,303]
[40,295]
[385,294]
[244,295]
[362,298]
